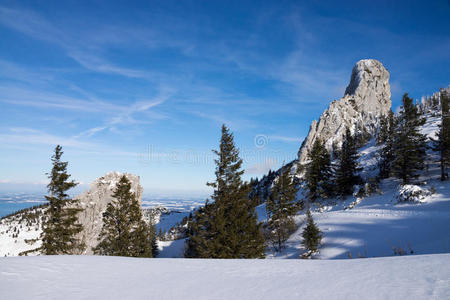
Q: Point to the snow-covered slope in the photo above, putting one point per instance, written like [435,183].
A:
[94,277]
[378,226]
[20,232]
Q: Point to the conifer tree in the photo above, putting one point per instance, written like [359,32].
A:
[318,172]
[383,128]
[60,228]
[442,144]
[409,143]
[346,173]
[199,233]
[312,236]
[124,232]
[227,227]
[387,152]
[281,206]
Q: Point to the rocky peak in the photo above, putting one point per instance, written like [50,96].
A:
[366,98]
[94,202]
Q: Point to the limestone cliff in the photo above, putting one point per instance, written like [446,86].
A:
[367,97]
[94,202]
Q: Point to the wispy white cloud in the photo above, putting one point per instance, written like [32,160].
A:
[233,123]
[26,139]
[32,24]
[90,132]
[43,99]
[29,136]
[95,63]
[12,181]
[111,114]
[262,167]
[88,54]
[126,114]
[284,138]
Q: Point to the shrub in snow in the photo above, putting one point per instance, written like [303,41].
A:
[411,193]
[369,188]
[401,250]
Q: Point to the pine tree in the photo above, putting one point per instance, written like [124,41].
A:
[409,143]
[442,144]
[199,233]
[383,128]
[346,173]
[124,232]
[60,228]
[318,172]
[312,236]
[387,152]
[281,206]
[227,227]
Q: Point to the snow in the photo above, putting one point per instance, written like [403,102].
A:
[412,193]
[96,277]
[171,249]
[11,245]
[432,127]
[377,224]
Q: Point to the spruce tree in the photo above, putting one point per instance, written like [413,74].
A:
[124,231]
[60,228]
[227,227]
[442,144]
[346,173]
[281,206]
[312,236]
[387,151]
[318,172]
[409,143]
[199,233]
[383,128]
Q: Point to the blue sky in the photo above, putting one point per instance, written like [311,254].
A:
[144,87]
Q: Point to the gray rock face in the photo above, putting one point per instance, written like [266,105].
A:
[94,202]
[367,97]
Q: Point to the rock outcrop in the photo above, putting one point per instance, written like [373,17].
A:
[367,97]
[94,202]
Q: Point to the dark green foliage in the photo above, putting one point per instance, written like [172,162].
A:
[227,227]
[281,206]
[362,137]
[312,236]
[199,233]
[346,173]
[386,137]
[318,172]
[409,144]
[60,229]
[442,144]
[124,232]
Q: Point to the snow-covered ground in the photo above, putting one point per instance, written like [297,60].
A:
[95,277]
[378,226]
